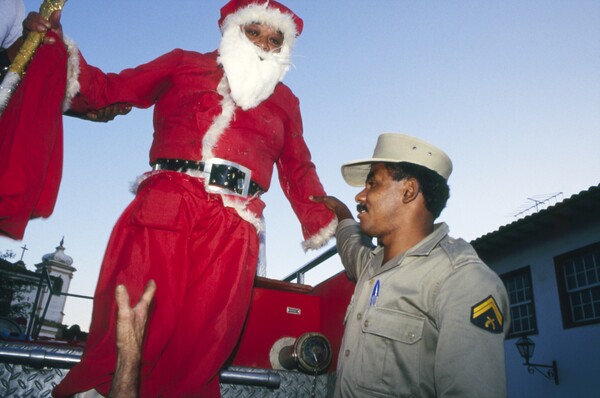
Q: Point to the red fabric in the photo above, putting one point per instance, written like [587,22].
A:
[235,5]
[203,258]
[31,143]
[182,86]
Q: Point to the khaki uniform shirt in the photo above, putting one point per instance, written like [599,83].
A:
[430,322]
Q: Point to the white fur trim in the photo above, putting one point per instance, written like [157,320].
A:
[135,184]
[320,238]
[261,266]
[262,13]
[240,205]
[73,71]
[7,88]
[220,123]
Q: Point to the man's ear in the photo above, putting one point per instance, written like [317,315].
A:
[411,190]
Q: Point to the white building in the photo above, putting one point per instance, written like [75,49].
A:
[550,263]
[25,286]
[59,265]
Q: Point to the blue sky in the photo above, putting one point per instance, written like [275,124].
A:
[509,89]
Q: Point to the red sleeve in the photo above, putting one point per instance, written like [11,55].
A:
[299,180]
[138,86]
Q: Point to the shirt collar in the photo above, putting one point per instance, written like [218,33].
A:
[423,248]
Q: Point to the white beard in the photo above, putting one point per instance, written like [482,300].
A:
[251,72]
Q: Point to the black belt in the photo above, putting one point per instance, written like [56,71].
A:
[222,174]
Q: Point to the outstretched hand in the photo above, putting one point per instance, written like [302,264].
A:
[341,211]
[105,114]
[109,113]
[131,323]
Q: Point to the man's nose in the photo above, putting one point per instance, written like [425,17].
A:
[263,43]
[360,196]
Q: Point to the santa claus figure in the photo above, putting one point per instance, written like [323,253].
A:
[222,121]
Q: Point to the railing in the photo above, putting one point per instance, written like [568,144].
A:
[32,333]
[298,275]
[40,357]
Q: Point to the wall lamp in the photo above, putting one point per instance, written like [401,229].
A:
[526,346]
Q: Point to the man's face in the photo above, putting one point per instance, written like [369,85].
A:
[380,203]
[264,37]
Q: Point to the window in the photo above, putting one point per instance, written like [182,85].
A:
[578,278]
[6,297]
[522,309]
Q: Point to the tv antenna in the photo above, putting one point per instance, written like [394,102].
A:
[540,202]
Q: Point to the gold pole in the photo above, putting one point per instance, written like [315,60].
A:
[34,39]
[17,69]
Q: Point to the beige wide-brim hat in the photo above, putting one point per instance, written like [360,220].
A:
[394,148]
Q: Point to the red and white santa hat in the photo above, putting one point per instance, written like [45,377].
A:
[268,12]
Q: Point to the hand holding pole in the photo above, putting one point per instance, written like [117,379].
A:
[25,54]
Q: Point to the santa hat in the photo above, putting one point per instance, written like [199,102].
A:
[268,12]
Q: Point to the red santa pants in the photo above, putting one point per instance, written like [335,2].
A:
[203,257]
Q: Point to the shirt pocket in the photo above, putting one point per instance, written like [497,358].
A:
[390,356]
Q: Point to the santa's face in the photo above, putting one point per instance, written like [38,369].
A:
[255,58]
[264,37]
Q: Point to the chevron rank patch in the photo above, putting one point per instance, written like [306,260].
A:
[487,316]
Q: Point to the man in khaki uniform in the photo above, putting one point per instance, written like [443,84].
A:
[428,318]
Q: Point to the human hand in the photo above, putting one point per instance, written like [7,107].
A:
[108,113]
[131,322]
[341,211]
[36,23]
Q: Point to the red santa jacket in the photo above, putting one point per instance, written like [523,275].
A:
[188,104]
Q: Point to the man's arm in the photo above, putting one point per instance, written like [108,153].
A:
[342,212]
[472,316]
[354,247]
[12,16]
[131,323]
[11,41]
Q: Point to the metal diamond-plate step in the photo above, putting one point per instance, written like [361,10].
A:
[17,381]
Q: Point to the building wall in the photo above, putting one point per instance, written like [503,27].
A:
[55,312]
[56,307]
[576,349]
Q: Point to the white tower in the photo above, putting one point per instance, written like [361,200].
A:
[58,264]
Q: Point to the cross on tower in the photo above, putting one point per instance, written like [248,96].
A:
[24,247]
